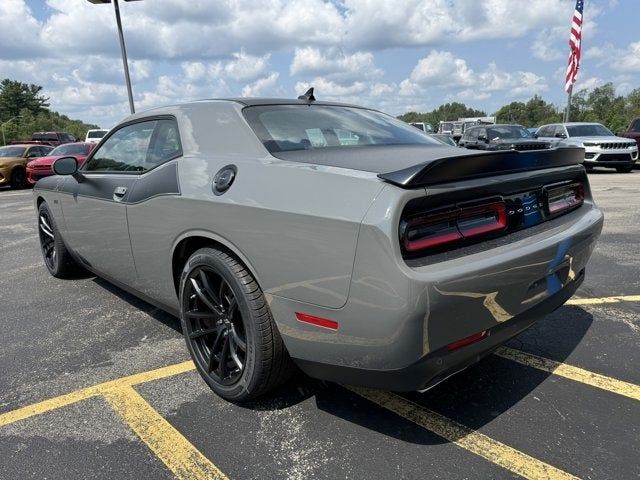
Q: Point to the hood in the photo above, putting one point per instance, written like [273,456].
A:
[48,160]
[597,139]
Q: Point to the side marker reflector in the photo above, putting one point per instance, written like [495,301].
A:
[463,342]
[317,321]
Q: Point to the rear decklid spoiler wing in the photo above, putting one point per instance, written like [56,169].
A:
[481,164]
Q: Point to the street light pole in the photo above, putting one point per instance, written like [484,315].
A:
[4,142]
[123,48]
[124,55]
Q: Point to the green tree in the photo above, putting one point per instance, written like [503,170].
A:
[16,96]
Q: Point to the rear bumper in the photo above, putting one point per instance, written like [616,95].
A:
[399,319]
[441,364]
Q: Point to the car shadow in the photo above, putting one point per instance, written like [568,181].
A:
[139,304]
[473,398]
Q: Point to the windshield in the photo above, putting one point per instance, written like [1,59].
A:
[302,127]
[70,149]
[589,130]
[498,133]
[11,151]
[96,134]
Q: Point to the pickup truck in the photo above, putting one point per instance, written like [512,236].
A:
[633,131]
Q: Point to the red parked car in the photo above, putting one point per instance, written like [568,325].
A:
[633,131]
[42,166]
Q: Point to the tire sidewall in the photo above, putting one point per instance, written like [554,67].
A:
[214,259]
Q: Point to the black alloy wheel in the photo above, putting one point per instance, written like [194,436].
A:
[56,257]
[215,327]
[47,240]
[230,333]
[18,178]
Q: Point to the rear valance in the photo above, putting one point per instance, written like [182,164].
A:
[481,164]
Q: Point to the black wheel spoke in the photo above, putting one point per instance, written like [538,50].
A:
[224,354]
[234,353]
[201,315]
[202,332]
[238,341]
[201,295]
[208,290]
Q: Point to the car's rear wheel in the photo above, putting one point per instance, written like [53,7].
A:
[56,257]
[228,327]
[18,178]
[624,169]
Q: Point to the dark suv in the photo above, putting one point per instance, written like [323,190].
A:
[500,137]
[53,138]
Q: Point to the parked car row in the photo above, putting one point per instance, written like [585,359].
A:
[24,164]
[602,148]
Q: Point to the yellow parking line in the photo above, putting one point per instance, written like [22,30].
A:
[84,393]
[176,452]
[601,300]
[496,452]
[573,373]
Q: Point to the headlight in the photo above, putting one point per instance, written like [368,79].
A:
[589,144]
[29,165]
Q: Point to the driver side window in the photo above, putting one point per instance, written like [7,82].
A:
[124,151]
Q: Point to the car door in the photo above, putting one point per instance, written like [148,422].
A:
[94,208]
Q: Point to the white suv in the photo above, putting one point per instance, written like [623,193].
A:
[95,135]
[602,148]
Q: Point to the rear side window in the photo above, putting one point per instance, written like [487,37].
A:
[306,127]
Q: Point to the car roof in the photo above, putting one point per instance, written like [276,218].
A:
[257,101]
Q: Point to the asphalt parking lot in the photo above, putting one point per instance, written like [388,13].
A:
[97,384]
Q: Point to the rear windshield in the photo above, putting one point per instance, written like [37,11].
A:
[11,151]
[306,127]
[96,134]
[590,130]
[70,150]
[509,131]
[45,136]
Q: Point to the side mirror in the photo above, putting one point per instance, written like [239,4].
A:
[560,135]
[482,138]
[65,166]
[32,155]
[535,135]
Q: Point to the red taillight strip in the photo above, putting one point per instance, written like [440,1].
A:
[496,224]
[467,222]
[563,198]
[463,342]
[317,321]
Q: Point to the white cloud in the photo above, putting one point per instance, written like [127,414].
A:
[261,86]
[334,63]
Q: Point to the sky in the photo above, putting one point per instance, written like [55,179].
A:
[392,55]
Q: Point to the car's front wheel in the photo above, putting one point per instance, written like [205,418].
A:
[56,257]
[228,327]
[18,178]
[624,169]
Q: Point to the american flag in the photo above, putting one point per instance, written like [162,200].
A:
[575,41]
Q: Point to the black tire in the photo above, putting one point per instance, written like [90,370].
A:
[624,169]
[222,308]
[18,178]
[56,257]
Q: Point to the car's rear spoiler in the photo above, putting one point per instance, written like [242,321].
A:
[482,164]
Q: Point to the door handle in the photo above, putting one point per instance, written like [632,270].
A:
[119,193]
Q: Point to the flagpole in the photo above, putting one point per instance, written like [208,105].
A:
[566,112]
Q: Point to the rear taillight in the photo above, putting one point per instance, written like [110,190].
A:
[436,230]
[561,198]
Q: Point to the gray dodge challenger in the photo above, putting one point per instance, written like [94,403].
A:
[320,235]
